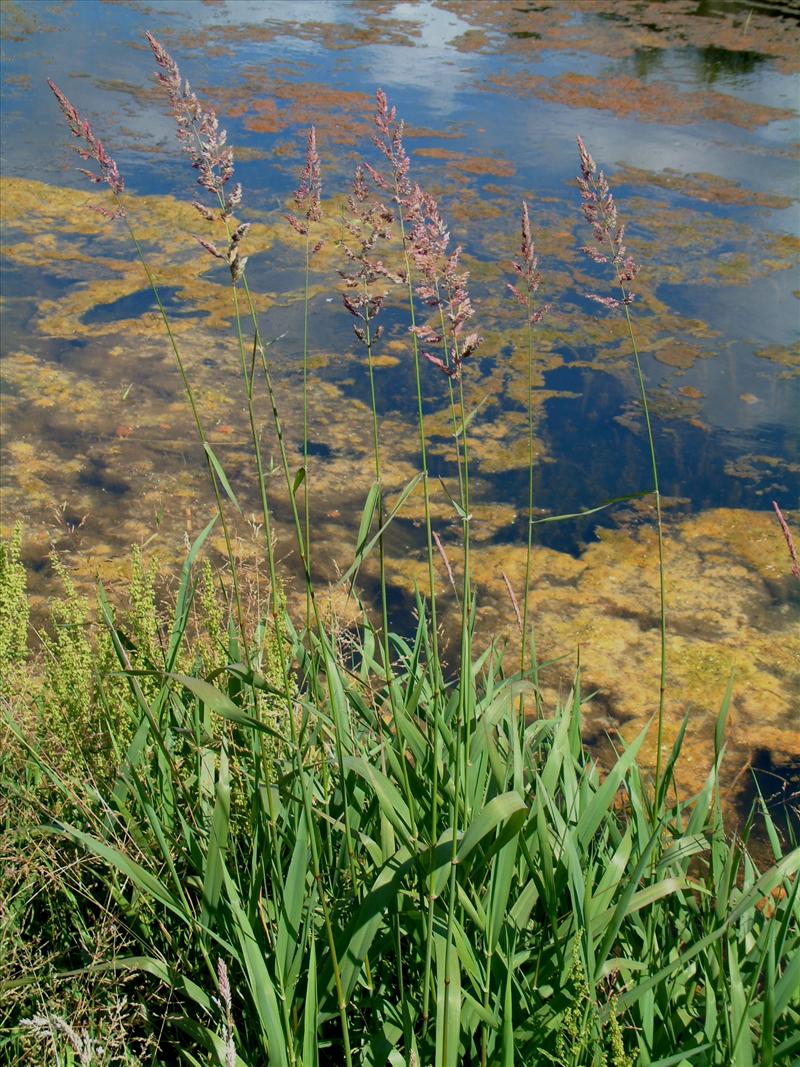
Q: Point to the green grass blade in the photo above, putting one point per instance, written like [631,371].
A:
[310,1013]
[217,844]
[220,473]
[259,981]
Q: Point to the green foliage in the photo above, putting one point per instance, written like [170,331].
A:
[69,677]
[584,933]
[14,609]
[582,1038]
[143,616]
[211,641]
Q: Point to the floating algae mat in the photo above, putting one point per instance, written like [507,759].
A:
[689,108]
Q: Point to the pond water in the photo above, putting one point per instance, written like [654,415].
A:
[688,105]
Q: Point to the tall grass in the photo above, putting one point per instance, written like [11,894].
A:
[317,857]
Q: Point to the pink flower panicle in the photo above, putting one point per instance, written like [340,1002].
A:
[389,141]
[600,211]
[369,222]
[447,291]
[787,534]
[309,191]
[529,273]
[212,157]
[198,131]
[444,287]
[92,148]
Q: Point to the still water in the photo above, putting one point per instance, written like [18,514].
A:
[689,106]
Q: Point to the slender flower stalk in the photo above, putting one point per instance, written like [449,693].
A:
[370,222]
[443,287]
[388,139]
[524,292]
[600,212]
[92,148]
[308,201]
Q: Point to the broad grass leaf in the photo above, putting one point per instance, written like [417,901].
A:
[217,844]
[221,475]
[262,990]
[448,1004]
[311,1013]
[506,812]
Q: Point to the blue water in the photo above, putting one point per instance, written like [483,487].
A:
[416,52]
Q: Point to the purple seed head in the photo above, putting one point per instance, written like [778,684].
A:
[199,133]
[600,211]
[369,222]
[308,197]
[443,285]
[528,271]
[212,157]
[91,147]
[389,141]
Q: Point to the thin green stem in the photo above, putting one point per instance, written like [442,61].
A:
[198,423]
[660,533]
[306,507]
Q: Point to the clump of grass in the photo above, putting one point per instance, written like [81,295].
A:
[14,608]
[315,856]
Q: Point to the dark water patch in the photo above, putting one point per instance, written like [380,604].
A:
[775,780]
[142,302]
[319,448]
[97,475]
[281,269]
[602,456]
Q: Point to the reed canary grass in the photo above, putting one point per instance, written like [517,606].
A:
[600,211]
[198,131]
[308,202]
[92,148]
[524,292]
